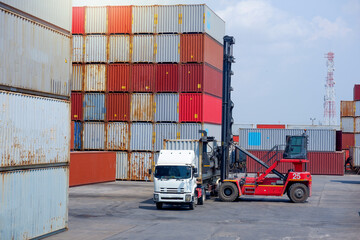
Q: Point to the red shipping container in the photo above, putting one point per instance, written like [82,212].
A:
[236,138]
[76,106]
[118,107]
[200,78]
[271,126]
[92,167]
[78,20]
[197,107]
[119,19]
[167,77]
[320,163]
[348,140]
[118,78]
[201,48]
[357,92]
[142,77]
[72,137]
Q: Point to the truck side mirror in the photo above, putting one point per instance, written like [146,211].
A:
[150,171]
[195,170]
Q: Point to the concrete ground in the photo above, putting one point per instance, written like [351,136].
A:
[124,210]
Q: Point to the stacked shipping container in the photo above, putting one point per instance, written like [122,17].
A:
[35,70]
[143,74]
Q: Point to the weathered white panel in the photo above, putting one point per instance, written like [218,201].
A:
[167,48]
[119,48]
[95,48]
[167,19]
[77,78]
[117,136]
[95,77]
[77,48]
[143,48]
[94,136]
[122,165]
[96,20]
[143,19]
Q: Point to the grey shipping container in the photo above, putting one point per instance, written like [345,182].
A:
[34,130]
[142,48]
[93,136]
[213,130]
[141,137]
[357,108]
[167,48]
[143,18]
[122,165]
[96,20]
[117,136]
[190,130]
[95,48]
[167,19]
[78,49]
[94,106]
[167,107]
[355,154]
[140,164]
[347,124]
[357,139]
[33,202]
[141,107]
[119,48]
[164,131]
[77,78]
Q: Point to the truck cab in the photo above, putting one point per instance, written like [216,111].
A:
[175,178]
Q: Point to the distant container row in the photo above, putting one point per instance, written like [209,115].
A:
[350,140]
[169,48]
[148,19]
[146,107]
[147,78]
[134,136]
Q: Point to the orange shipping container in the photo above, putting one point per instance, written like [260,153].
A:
[92,167]
[119,19]
[201,48]
[347,108]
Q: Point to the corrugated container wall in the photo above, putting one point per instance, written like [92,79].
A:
[96,20]
[118,107]
[167,19]
[143,18]
[33,202]
[142,49]
[166,107]
[33,56]
[164,131]
[78,20]
[141,137]
[122,165]
[167,48]
[76,106]
[119,19]
[119,48]
[77,48]
[348,140]
[95,78]
[357,92]
[118,78]
[77,135]
[355,154]
[34,130]
[54,12]
[357,108]
[357,124]
[141,108]
[95,48]
[356,140]
[347,108]
[167,77]
[213,130]
[94,106]
[142,77]
[347,124]
[190,131]
[117,136]
[140,163]
[94,136]
[77,77]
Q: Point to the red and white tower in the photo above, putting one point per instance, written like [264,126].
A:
[329,98]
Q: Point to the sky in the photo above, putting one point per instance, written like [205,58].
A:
[280,48]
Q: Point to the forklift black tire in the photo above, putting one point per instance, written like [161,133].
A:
[159,205]
[228,192]
[201,200]
[298,193]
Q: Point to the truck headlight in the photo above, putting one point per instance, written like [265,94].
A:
[156,197]
[187,197]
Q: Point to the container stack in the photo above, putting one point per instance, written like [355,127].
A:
[35,47]
[142,74]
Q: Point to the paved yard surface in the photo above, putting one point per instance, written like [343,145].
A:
[124,210]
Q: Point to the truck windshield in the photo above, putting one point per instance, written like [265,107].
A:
[173,172]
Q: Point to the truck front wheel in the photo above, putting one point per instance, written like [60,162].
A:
[298,192]
[228,192]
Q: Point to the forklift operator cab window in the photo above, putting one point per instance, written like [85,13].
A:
[296,147]
[173,172]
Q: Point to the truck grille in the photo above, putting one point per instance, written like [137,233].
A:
[172,190]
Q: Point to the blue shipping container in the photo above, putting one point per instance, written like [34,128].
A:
[94,106]
[77,135]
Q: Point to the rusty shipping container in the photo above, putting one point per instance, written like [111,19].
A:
[93,136]
[122,165]
[164,131]
[118,107]
[76,106]
[117,136]
[94,106]
[143,19]
[77,77]
[96,20]
[141,136]
[118,78]
[119,48]
[141,107]
[347,108]
[199,48]
[142,48]
[348,140]
[33,202]
[78,49]
[197,107]
[34,130]
[140,164]
[167,19]
[167,77]
[95,78]
[92,167]
[78,20]
[119,19]
[357,92]
[95,49]
[142,77]
[167,48]
[166,107]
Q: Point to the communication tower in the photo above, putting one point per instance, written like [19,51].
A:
[329,98]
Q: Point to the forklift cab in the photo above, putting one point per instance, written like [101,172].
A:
[296,147]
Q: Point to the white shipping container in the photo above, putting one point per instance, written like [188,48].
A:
[119,48]
[95,48]
[164,131]
[347,124]
[33,56]
[54,12]
[96,20]
[167,48]
[143,18]
[33,202]
[34,130]
[167,19]
[95,77]
[142,49]
[77,48]
[93,136]
[190,131]
[122,165]
[117,136]
[77,78]
[141,137]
